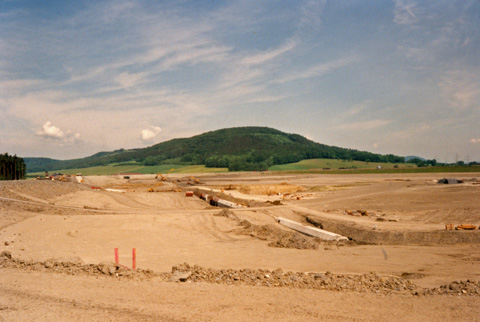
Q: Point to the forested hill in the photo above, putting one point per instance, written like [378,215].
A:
[242,148]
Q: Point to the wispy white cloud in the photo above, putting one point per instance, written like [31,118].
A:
[356,109]
[461,89]
[412,131]
[127,80]
[210,54]
[13,87]
[318,70]
[404,12]
[311,14]
[264,57]
[365,125]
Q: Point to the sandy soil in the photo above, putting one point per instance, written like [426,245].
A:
[40,220]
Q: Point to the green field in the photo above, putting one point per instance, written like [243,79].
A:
[466,169]
[118,169]
[329,166]
[334,164]
[326,166]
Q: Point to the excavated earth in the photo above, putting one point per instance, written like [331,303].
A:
[57,242]
[368,282]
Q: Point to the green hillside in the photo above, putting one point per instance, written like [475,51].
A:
[242,148]
[336,164]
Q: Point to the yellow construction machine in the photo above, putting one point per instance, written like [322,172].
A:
[192,181]
[163,177]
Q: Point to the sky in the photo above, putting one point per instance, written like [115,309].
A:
[399,77]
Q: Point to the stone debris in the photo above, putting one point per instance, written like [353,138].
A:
[185,273]
[358,213]
[180,273]
[370,282]
[73,266]
[468,287]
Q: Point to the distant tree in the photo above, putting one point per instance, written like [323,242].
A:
[12,167]
[432,162]
[418,162]
[150,160]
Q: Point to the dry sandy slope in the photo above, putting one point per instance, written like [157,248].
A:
[64,219]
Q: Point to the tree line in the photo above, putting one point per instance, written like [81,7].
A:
[12,167]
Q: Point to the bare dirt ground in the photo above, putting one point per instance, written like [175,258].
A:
[58,241]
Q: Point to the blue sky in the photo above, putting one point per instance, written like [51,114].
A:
[79,77]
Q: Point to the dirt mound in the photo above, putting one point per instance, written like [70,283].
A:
[269,189]
[38,189]
[362,234]
[275,236]
[469,287]
[227,213]
[74,266]
[369,282]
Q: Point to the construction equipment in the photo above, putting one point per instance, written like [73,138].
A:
[163,177]
[466,227]
[192,181]
[153,189]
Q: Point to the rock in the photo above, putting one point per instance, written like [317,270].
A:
[71,261]
[6,254]
[107,268]
[179,276]
[49,263]
[318,276]
[7,243]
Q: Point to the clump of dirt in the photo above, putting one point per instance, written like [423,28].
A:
[227,213]
[412,275]
[75,266]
